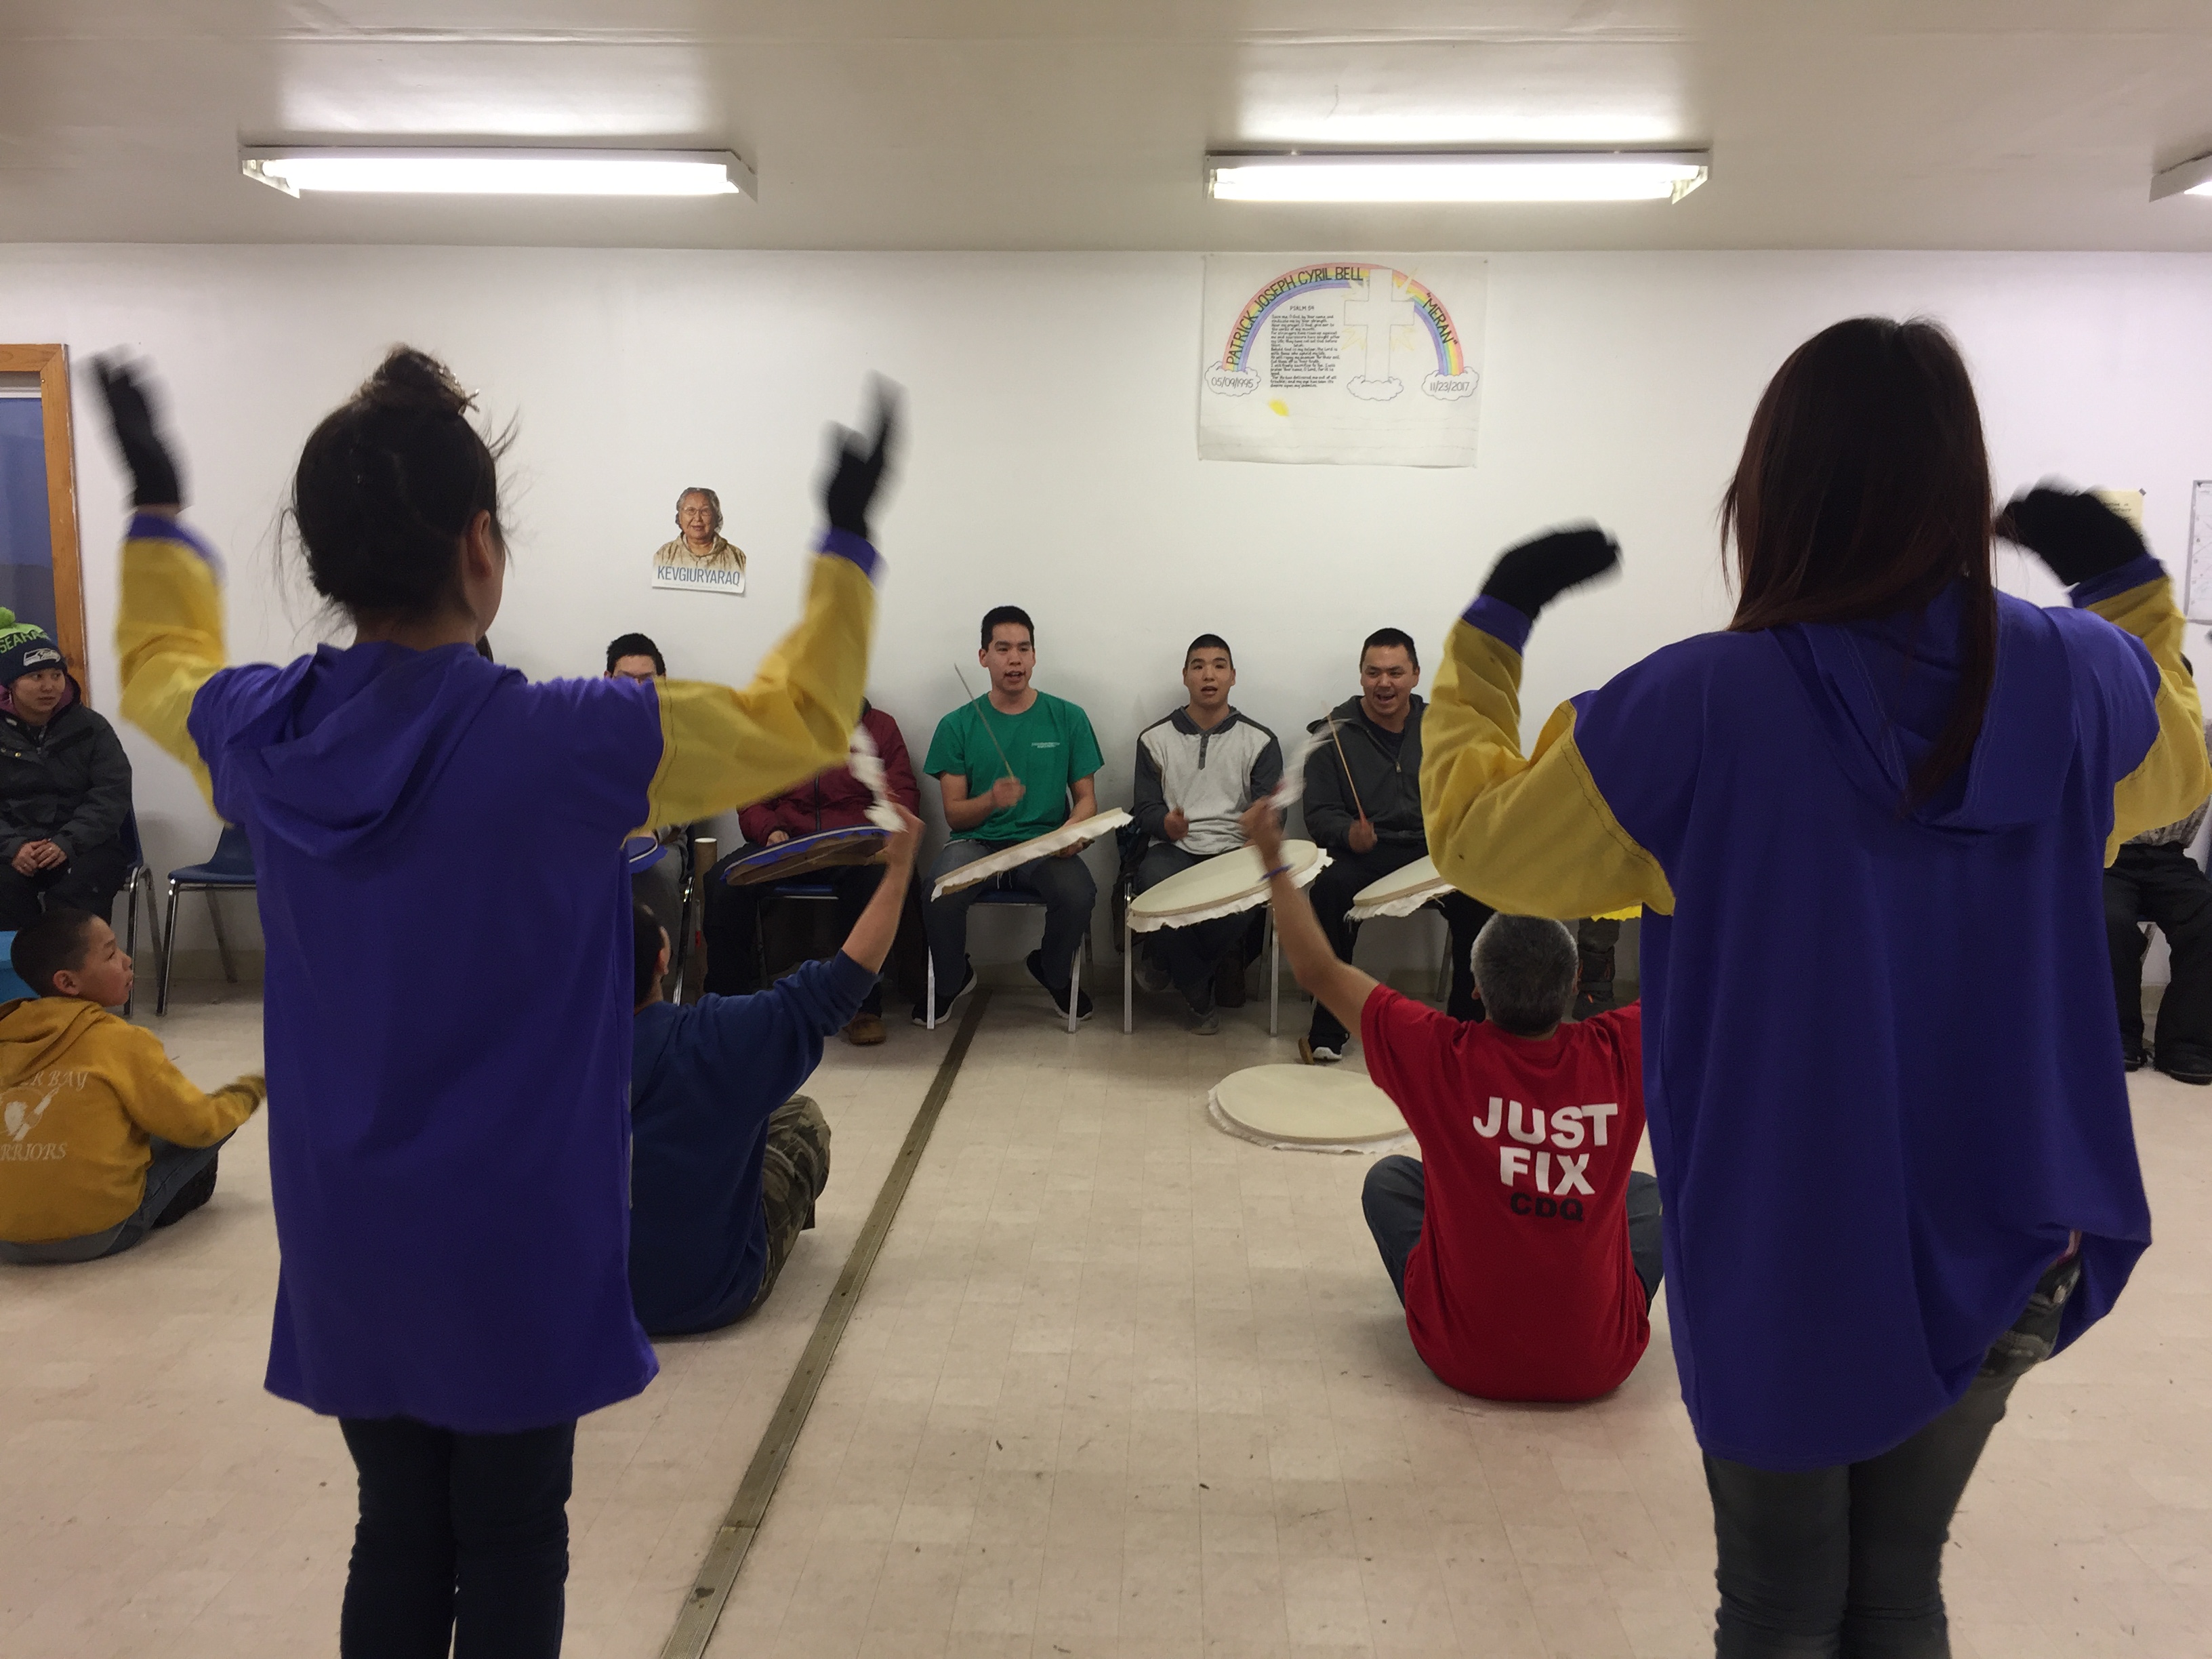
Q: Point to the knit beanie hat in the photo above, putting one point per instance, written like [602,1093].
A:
[25,649]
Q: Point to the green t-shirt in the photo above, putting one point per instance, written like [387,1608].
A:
[1051,745]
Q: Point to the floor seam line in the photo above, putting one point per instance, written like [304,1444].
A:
[734,1538]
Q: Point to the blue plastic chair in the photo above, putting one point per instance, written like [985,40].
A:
[12,988]
[230,869]
[135,876]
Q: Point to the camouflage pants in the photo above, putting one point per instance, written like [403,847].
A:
[794,1169]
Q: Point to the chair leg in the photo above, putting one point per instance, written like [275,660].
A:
[168,953]
[222,940]
[1075,982]
[1275,974]
[929,1014]
[1129,978]
[130,932]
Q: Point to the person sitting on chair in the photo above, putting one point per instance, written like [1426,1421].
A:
[64,784]
[1197,770]
[2154,880]
[1016,764]
[659,887]
[1363,804]
[105,1139]
[1523,1248]
[635,656]
[835,799]
[726,1161]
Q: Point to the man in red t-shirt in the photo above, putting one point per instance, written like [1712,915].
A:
[1523,1247]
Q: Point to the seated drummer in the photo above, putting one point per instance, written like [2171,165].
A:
[1197,770]
[835,799]
[726,1161]
[1363,805]
[660,889]
[1016,765]
[1523,1246]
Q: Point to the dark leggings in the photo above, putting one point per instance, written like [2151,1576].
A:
[463,1541]
[1847,1563]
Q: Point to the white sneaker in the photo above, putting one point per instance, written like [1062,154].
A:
[1311,1054]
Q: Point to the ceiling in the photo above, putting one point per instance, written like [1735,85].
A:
[1082,124]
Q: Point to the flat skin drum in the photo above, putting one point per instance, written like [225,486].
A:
[1312,1105]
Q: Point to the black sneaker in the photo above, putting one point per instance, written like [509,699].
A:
[2134,1059]
[2186,1065]
[944,1004]
[1035,963]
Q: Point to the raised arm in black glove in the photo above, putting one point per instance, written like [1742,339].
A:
[154,479]
[1530,576]
[859,471]
[2074,533]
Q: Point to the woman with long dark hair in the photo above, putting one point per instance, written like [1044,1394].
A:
[450,1162]
[1890,1192]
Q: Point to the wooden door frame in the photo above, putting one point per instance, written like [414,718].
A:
[50,364]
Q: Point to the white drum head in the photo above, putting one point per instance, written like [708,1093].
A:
[1323,1108]
[1221,886]
[1081,833]
[1402,892]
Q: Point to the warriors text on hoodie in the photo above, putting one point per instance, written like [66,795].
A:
[1862,1185]
[448,1157]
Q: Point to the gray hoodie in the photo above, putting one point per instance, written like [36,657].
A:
[1210,776]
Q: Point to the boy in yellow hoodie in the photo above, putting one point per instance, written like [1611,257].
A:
[101,1139]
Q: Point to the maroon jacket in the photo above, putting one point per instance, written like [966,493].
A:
[835,799]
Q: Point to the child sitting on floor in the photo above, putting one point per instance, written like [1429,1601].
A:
[101,1139]
[1523,1248]
[726,1162]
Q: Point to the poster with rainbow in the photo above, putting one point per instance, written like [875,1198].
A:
[1370,359]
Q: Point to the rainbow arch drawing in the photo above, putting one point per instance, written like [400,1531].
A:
[1450,359]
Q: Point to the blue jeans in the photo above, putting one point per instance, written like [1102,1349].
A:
[1188,955]
[1396,1193]
[172,1169]
[1064,885]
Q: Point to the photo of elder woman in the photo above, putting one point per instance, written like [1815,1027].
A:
[699,559]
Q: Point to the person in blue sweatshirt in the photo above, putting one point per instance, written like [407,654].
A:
[450,1173]
[726,1162]
[1882,1203]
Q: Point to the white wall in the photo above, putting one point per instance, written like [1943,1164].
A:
[1051,460]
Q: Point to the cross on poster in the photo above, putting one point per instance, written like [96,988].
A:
[1368,360]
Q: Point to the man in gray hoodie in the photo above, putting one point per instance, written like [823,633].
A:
[1363,804]
[1197,770]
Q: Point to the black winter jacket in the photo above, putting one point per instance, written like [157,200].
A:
[1390,789]
[69,784]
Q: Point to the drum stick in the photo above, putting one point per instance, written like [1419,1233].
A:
[1346,764]
[984,723]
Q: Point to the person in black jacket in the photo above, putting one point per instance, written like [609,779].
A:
[64,784]
[1363,803]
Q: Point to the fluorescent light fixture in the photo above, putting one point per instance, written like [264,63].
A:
[2189,179]
[1620,175]
[446,171]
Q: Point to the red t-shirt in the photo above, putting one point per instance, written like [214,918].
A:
[1521,1286]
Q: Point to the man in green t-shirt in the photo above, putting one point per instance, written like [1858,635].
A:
[1013,766]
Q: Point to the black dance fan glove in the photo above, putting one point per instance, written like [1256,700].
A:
[1530,576]
[154,480]
[860,467]
[2076,534]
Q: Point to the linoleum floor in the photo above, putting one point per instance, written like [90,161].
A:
[1119,1385]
